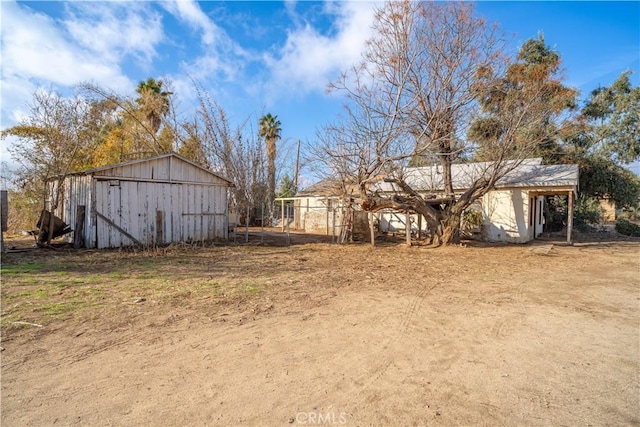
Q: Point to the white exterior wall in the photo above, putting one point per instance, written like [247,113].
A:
[538,220]
[312,214]
[506,216]
[395,221]
[321,215]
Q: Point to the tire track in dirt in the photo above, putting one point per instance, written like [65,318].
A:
[505,325]
[406,322]
[93,348]
[383,357]
[56,360]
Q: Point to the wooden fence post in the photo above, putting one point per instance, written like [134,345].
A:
[78,234]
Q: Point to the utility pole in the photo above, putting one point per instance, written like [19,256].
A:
[295,181]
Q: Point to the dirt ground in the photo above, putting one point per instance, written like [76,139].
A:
[314,333]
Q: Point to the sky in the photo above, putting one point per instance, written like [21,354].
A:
[258,57]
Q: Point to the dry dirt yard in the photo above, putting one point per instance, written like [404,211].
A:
[323,334]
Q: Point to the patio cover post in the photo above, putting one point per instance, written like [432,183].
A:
[407,228]
[570,218]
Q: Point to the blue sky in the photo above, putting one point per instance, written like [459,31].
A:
[259,57]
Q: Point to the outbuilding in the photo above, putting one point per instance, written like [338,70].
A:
[153,201]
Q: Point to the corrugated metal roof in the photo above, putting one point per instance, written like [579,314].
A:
[529,173]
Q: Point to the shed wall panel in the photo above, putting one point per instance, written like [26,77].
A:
[193,203]
[76,191]
[163,169]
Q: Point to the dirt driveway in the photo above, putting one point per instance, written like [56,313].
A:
[324,334]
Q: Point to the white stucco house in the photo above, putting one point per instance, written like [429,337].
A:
[513,211]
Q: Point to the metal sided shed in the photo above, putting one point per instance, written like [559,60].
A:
[153,201]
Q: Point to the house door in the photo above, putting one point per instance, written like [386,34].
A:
[536,216]
[539,216]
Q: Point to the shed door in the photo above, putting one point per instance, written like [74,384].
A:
[111,229]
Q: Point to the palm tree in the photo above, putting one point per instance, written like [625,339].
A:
[270,130]
[154,101]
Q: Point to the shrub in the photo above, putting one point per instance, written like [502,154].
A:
[627,228]
[631,213]
[586,213]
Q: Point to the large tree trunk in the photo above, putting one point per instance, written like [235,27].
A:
[451,228]
[445,161]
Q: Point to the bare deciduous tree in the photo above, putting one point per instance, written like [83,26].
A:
[56,139]
[234,151]
[430,72]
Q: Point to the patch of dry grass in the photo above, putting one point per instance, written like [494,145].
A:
[42,287]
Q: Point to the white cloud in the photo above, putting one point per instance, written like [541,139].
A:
[221,58]
[189,11]
[38,50]
[35,48]
[221,63]
[310,60]
[113,30]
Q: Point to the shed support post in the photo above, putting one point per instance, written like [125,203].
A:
[4,215]
[246,222]
[333,227]
[570,219]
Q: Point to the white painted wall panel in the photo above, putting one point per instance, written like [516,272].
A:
[506,215]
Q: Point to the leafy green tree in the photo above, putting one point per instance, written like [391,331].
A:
[287,187]
[534,75]
[613,116]
[600,177]
[603,138]
[154,101]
